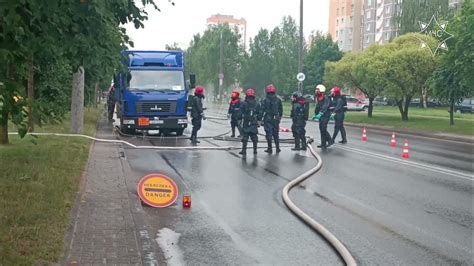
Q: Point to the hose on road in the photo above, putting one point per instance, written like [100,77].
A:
[338,246]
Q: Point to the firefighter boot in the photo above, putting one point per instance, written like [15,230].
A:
[269,143]
[297,144]
[303,143]
[277,145]
[244,149]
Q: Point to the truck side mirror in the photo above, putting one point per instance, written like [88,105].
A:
[192,81]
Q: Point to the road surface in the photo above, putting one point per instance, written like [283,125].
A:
[384,209]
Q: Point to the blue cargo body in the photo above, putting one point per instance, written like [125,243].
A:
[153,93]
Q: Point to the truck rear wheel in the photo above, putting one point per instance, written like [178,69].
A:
[179,132]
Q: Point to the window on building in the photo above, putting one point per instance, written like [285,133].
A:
[337,22]
[367,27]
[387,36]
[337,12]
[370,2]
[387,10]
[369,15]
[337,33]
[387,23]
[342,11]
[367,39]
[342,20]
[352,18]
[342,32]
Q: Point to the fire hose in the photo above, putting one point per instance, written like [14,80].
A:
[340,248]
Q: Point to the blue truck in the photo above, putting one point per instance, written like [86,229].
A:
[152,92]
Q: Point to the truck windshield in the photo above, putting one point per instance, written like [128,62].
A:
[146,80]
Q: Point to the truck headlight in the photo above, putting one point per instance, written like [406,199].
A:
[128,122]
[182,121]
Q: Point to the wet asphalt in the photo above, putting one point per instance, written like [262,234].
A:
[384,209]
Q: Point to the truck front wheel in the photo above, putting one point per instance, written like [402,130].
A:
[179,132]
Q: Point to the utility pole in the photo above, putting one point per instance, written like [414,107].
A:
[221,67]
[300,57]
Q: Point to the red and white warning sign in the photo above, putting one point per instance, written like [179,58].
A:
[157,190]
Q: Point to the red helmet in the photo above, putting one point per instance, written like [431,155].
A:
[270,89]
[199,90]
[250,93]
[336,91]
[235,95]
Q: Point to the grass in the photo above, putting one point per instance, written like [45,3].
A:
[426,120]
[38,185]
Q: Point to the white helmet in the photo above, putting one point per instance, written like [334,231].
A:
[321,88]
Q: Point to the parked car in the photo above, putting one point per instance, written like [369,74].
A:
[380,101]
[466,106]
[354,104]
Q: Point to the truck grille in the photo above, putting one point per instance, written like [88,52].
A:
[156,107]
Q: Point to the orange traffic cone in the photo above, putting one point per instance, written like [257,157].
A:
[393,142]
[364,135]
[406,152]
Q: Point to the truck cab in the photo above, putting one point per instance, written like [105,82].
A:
[152,93]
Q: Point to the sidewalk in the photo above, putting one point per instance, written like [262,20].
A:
[108,225]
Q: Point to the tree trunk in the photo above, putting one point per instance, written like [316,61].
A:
[96,93]
[4,128]
[371,106]
[77,101]
[424,97]
[31,95]
[451,113]
[405,111]
[400,107]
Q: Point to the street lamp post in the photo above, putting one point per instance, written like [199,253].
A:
[300,57]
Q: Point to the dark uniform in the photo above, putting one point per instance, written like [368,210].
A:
[323,108]
[272,109]
[339,111]
[111,104]
[250,117]
[234,113]
[197,114]
[299,115]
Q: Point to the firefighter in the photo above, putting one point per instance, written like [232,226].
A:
[197,112]
[299,115]
[338,112]
[250,117]
[111,103]
[272,109]
[323,114]
[234,112]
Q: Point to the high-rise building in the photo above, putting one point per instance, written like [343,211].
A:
[240,24]
[345,19]
[378,23]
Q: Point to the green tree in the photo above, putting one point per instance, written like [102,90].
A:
[203,57]
[257,67]
[408,68]
[368,70]
[87,33]
[414,11]
[453,80]
[284,53]
[322,50]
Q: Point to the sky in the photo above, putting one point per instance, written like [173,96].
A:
[179,23]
